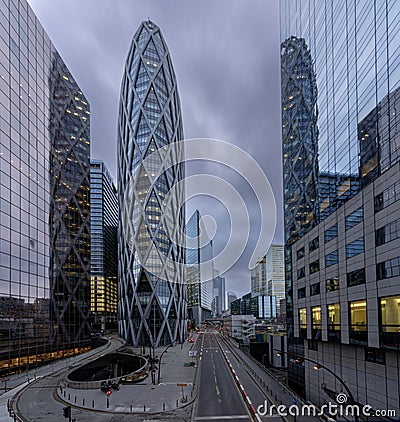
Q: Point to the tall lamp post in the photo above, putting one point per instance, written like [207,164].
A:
[159,362]
[153,372]
[318,366]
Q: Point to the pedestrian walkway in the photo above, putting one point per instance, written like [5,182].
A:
[175,389]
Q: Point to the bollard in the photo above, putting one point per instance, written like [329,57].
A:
[163,406]
[64,393]
[69,396]
[177,404]
[92,403]
[83,402]
[75,400]
[144,408]
[131,408]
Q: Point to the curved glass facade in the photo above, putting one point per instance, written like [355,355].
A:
[152,293]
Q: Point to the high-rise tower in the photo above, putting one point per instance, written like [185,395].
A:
[344,273]
[44,198]
[104,247]
[152,296]
[69,208]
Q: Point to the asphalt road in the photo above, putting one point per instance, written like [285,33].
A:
[257,396]
[218,397]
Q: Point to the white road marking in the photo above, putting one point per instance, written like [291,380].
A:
[217,418]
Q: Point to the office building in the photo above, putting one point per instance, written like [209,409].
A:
[152,292]
[344,273]
[44,194]
[104,247]
[268,276]
[200,270]
[230,297]
[218,301]
[262,307]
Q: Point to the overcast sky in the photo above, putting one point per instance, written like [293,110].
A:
[226,59]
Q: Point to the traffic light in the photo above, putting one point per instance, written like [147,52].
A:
[108,392]
[67,412]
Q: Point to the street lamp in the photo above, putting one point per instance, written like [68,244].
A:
[317,366]
[153,375]
[159,361]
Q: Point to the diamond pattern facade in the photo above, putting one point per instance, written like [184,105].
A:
[152,295]
[69,209]
[300,165]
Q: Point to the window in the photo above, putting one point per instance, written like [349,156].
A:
[332,284]
[316,322]
[301,293]
[313,245]
[375,355]
[387,197]
[356,277]
[301,273]
[314,266]
[388,269]
[332,258]
[314,289]
[358,321]
[387,233]
[390,314]
[380,236]
[303,322]
[331,233]
[334,317]
[354,218]
[300,253]
[355,248]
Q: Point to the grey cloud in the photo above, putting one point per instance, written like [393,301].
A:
[226,57]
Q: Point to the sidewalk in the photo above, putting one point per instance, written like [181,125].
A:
[144,397]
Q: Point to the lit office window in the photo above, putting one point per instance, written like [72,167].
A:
[334,317]
[358,321]
[303,322]
[390,313]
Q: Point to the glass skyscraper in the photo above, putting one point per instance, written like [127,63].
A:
[104,247]
[152,293]
[342,276]
[200,270]
[44,195]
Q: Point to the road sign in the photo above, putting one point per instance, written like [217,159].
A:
[108,392]
[192,353]
[181,384]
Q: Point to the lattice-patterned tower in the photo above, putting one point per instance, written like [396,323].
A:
[69,209]
[300,164]
[152,293]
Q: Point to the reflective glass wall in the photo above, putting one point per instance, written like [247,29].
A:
[27,97]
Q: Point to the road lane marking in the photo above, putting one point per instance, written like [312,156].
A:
[217,418]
